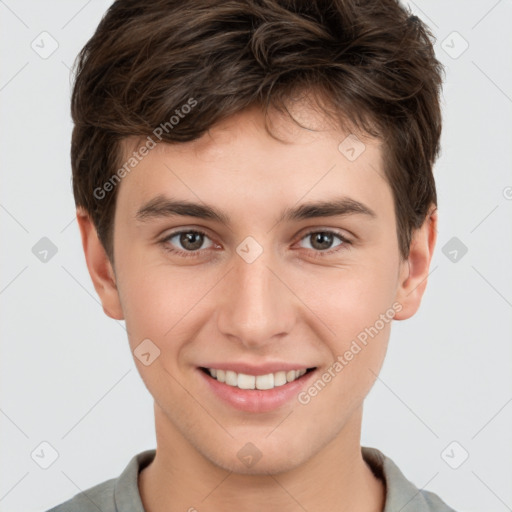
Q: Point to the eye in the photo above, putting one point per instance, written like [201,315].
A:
[321,241]
[190,240]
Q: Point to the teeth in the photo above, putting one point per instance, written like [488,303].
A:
[244,381]
[279,378]
[265,381]
[231,378]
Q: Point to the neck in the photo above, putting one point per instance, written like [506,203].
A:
[336,478]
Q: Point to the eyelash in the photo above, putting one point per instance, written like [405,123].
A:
[317,253]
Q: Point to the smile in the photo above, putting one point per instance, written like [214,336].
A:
[261,382]
[255,388]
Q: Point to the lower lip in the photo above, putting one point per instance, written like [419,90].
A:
[257,400]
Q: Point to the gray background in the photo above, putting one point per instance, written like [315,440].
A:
[67,375]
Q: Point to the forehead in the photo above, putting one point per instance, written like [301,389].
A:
[239,158]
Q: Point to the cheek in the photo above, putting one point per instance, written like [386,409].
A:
[356,303]
[350,298]
[159,301]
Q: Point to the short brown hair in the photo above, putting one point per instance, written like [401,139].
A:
[371,61]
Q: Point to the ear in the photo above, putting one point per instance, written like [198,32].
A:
[100,268]
[414,271]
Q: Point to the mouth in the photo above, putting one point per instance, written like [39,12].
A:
[255,393]
[256,382]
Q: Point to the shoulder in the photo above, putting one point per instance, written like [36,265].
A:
[432,502]
[98,497]
[401,493]
[116,494]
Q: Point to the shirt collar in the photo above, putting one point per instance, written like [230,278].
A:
[401,494]
[126,491]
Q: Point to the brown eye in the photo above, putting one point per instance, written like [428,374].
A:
[186,243]
[323,240]
[191,241]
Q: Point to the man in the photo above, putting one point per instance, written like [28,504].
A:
[255,196]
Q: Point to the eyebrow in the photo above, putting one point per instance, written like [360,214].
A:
[165,207]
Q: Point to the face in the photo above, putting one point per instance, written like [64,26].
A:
[254,258]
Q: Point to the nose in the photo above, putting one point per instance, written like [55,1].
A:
[257,306]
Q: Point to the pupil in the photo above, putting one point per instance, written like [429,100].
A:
[187,238]
[325,237]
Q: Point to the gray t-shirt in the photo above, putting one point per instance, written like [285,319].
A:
[122,494]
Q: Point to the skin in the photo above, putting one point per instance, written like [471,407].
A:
[287,305]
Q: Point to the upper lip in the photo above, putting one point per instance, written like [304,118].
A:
[261,369]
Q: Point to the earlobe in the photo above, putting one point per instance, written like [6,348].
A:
[99,266]
[414,272]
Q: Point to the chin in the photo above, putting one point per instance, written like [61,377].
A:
[250,460]
[270,466]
